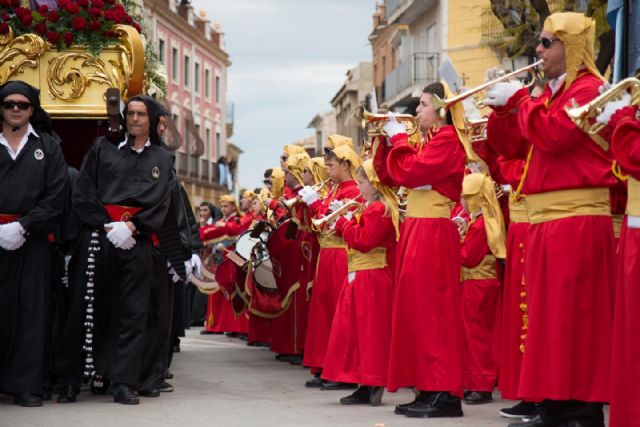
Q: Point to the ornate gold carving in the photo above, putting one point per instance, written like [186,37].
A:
[20,52]
[63,72]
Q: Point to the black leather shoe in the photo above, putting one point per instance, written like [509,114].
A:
[169,375]
[68,394]
[402,409]
[358,397]
[27,400]
[439,405]
[533,422]
[314,382]
[126,396]
[331,385]
[478,397]
[154,392]
[296,361]
[287,357]
[205,332]
[165,387]
[520,411]
[375,395]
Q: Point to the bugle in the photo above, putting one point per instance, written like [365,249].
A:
[377,122]
[318,223]
[289,203]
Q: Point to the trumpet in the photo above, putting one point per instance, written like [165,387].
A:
[584,116]
[318,223]
[445,104]
[289,203]
[378,120]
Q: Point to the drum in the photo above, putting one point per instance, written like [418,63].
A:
[245,245]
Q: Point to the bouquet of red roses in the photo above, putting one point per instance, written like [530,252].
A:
[83,22]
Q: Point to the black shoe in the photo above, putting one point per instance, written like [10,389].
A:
[154,392]
[168,375]
[176,348]
[297,361]
[126,396]
[533,422]
[358,397]
[166,387]
[521,410]
[478,397]
[402,409]
[314,382]
[375,395]
[287,357]
[205,332]
[27,400]
[332,385]
[68,394]
[99,385]
[439,405]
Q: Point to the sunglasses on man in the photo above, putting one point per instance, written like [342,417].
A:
[547,42]
[10,105]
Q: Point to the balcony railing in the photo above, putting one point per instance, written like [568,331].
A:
[417,69]
[204,169]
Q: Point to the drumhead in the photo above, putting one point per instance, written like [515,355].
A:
[263,276]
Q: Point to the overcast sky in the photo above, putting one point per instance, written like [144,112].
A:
[289,58]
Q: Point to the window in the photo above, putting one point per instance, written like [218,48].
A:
[431,39]
[207,83]
[174,64]
[161,48]
[196,77]
[218,148]
[207,143]
[217,89]
[186,70]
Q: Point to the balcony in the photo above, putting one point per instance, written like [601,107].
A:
[406,11]
[206,175]
[204,170]
[415,71]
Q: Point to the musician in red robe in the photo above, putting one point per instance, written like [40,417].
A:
[625,376]
[427,336]
[568,264]
[220,316]
[484,243]
[331,270]
[358,348]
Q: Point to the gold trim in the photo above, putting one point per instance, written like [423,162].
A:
[29,46]
[61,73]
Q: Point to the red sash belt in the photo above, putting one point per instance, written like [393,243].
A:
[125,213]
[7,218]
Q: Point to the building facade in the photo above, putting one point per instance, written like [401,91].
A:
[192,55]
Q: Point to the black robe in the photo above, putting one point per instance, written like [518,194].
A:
[33,186]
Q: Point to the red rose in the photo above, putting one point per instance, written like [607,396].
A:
[83,3]
[78,23]
[41,28]
[53,16]
[97,3]
[137,26]
[4,28]
[68,38]
[109,15]
[22,11]
[15,3]
[26,20]
[120,9]
[6,3]
[110,34]
[95,12]
[53,37]
[72,8]
[63,3]
[128,19]
[43,9]
[6,17]
[94,25]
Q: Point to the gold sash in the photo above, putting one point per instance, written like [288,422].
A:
[428,204]
[330,241]
[485,270]
[518,210]
[375,258]
[633,197]
[561,204]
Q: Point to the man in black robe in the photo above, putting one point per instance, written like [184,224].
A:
[33,177]
[122,197]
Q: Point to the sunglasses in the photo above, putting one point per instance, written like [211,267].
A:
[546,43]
[283,158]
[10,105]
[267,182]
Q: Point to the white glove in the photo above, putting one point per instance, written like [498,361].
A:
[611,107]
[188,268]
[120,235]
[393,127]
[196,264]
[335,205]
[11,236]
[492,74]
[348,216]
[499,93]
[309,195]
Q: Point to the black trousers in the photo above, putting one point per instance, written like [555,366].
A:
[24,295]
[563,412]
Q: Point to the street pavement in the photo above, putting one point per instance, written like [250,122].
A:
[220,381]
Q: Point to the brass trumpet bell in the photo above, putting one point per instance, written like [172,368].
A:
[376,123]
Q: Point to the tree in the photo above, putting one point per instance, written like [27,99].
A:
[522,21]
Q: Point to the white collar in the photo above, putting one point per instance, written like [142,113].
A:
[556,84]
[23,141]
[126,141]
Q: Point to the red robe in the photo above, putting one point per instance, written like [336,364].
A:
[481,313]
[358,348]
[427,337]
[329,278]
[625,375]
[220,316]
[568,262]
